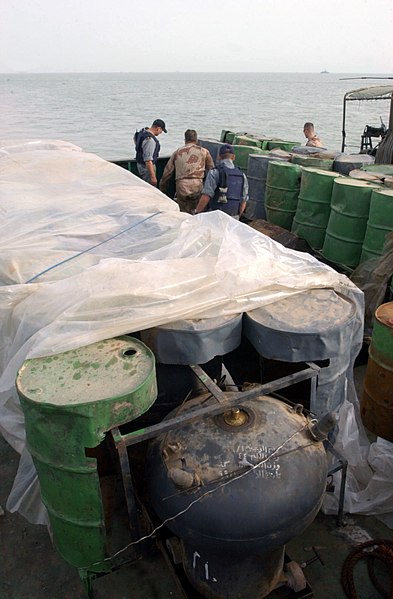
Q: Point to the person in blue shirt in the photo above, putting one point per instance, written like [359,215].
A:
[147,149]
[225,187]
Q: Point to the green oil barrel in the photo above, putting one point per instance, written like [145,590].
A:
[347,224]
[224,135]
[256,175]
[247,140]
[281,144]
[70,400]
[242,153]
[313,208]
[380,223]
[324,164]
[385,169]
[282,190]
[376,405]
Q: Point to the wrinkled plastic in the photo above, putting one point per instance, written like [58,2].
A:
[89,251]
[369,488]
[372,277]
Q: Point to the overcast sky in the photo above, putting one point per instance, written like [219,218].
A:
[344,36]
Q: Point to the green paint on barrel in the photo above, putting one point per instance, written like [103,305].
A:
[386,169]
[66,415]
[282,190]
[380,223]
[242,153]
[324,164]
[376,406]
[227,136]
[347,224]
[282,144]
[247,140]
[313,208]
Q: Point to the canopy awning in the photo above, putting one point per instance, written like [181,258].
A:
[377,92]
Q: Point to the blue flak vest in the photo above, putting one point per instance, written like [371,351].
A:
[139,138]
[232,180]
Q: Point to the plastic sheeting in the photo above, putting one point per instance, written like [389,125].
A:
[89,251]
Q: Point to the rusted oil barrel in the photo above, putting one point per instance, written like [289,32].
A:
[70,401]
[376,405]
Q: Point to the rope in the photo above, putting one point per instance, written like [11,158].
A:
[372,551]
[93,247]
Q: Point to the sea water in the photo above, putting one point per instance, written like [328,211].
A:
[101,111]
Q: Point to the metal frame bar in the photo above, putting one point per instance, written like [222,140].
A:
[225,401]
[129,493]
[341,464]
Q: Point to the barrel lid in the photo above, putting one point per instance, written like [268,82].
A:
[312,310]
[264,156]
[285,164]
[353,182]
[385,192]
[319,171]
[357,173]
[278,153]
[384,314]
[103,370]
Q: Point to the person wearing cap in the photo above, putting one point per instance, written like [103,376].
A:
[147,149]
[189,163]
[226,186]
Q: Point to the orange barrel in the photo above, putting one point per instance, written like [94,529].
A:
[350,206]
[376,406]
[379,224]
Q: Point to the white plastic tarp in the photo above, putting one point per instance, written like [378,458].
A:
[89,251]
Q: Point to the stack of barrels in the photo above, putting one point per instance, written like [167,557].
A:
[344,218]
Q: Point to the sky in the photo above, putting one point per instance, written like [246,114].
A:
[343,36]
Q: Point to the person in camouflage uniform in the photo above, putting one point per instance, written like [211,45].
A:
[189,163]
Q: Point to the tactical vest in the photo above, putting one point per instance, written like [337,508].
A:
[139,138]
[229,193]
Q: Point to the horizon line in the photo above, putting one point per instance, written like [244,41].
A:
[178,72]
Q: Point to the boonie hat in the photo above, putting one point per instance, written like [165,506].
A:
[160,123]
[226,149]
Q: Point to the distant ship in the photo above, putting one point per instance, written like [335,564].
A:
[324,71]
